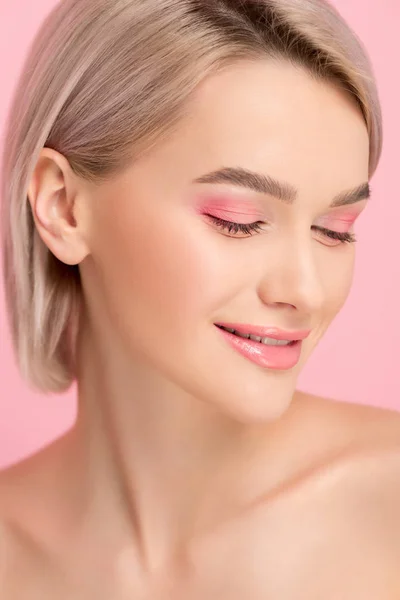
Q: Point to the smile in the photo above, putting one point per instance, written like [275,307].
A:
[265,352]
[263,340]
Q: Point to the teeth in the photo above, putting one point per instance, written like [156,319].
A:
[266,340]
[244,335]
[280,342]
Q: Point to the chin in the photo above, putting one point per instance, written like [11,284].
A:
[262,407]
[254,401]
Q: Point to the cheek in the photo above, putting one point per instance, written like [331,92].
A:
[338,278]
[158,274]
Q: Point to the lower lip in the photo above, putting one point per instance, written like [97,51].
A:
[271,357]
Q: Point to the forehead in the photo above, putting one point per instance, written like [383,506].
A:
[273,116]
[265,116]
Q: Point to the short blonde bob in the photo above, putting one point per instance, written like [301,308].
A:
[103,82]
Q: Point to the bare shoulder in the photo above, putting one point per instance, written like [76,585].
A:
[342,506]
[362,470]
[14,496]
[348,424]
[28,491]
[25,521]
[21,555]
[355,450]
[331,526]
[17,486]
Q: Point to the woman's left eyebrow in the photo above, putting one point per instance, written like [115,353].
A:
[283,191]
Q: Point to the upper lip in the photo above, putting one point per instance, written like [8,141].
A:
[268,331]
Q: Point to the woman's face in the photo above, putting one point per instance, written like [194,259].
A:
[163,271]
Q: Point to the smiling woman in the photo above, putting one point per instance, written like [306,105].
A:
[178,234]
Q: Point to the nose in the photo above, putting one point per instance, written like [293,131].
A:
[293,277]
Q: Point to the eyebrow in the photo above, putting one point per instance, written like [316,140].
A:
[285,192]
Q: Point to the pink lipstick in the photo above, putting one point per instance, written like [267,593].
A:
[279,357]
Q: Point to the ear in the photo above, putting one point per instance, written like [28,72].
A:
[53,193]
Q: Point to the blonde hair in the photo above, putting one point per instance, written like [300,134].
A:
[106,80]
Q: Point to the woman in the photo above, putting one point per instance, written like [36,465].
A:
[180,175]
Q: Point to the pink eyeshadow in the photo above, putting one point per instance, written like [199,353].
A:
[230,209]
[339,221]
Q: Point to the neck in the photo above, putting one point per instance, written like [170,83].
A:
[164,465]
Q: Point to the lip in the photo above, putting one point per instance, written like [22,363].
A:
[271,332]
[275,357]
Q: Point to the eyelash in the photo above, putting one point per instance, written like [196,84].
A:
[251,228]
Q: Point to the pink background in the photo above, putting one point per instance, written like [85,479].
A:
[358,359]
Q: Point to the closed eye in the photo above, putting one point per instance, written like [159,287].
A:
[230,226]
[251,228]
[342,236]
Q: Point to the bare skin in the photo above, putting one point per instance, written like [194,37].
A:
[191,472]
[323,523]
